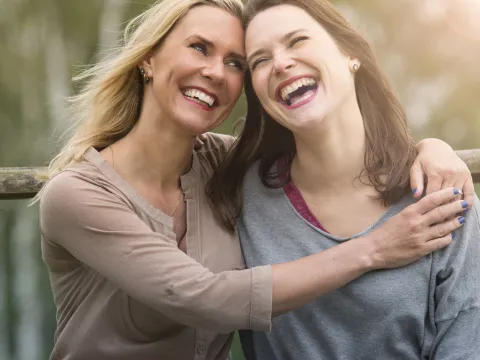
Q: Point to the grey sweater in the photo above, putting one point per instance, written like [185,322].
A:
[427,310]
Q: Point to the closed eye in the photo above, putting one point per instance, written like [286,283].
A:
[297,40]
[258,62]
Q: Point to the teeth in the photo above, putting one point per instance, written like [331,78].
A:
[290,88]
[200,95]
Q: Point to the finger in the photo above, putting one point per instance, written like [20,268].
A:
[437,244]
[431,201]
[442,229]
[453,181]
[203,137]
[450,181]
[416,180]
[434,183]
[444,212]
[469,191]
[461,184]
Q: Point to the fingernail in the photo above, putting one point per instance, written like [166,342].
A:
[415,191]
[461,220]
[456,191]
[464,204]
[453,235]
[465,212]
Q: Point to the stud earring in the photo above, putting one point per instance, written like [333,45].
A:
[144,74]
[355,67]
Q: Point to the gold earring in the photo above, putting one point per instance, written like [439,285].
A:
[144,74]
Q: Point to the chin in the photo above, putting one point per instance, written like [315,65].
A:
[305,121]
[305,126]
[197,126]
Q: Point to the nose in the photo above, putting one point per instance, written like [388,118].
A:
[215,71]
[282,62]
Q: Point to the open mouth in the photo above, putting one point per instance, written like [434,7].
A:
[200,97]
[297,92]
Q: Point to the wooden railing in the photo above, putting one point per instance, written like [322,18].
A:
[21,183]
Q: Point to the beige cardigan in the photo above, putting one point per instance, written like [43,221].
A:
[124,290]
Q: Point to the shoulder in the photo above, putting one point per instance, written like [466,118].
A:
[65,185]
[74,196]
[72,183]
[252,177]
[214,149]
[464,250]
[216,142]
[456,269]
[471,227]
[256,194]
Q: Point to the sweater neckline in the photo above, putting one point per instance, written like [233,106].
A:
[187,181]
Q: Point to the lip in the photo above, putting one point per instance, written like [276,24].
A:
[214,96]
[289,81]
[303,102]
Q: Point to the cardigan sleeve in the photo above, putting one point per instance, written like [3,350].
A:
[105,234]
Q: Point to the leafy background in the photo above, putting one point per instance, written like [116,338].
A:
[429,48]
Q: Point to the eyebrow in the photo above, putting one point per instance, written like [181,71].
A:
[211,44]
[283,39]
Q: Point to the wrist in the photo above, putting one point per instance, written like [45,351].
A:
[425,142]
[368,252]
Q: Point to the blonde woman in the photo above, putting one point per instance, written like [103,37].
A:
[139,266]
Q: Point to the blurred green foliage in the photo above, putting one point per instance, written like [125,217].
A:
[426,47]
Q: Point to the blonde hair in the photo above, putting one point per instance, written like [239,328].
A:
[107,107]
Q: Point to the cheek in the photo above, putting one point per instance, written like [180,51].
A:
[236,87]
[260,86]
[342,82]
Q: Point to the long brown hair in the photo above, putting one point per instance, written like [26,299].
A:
[389,151]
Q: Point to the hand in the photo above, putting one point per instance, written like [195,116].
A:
[418,230]
[442,168]
[200,139]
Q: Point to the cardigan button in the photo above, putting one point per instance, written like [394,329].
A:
[201,348]
[169,292]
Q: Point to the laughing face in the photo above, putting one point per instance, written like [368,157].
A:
[298,72]
[197,72]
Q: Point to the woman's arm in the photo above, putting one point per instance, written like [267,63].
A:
[413,233]
[106,235]
[439,167]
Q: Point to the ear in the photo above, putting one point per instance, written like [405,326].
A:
[147,64]
[354,64]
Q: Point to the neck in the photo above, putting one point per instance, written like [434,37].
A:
[332,156]
[155,152]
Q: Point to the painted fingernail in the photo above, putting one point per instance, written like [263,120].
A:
[453,235]
[465,212]
[456,191]
[415,191]
[464,204]
[461,220]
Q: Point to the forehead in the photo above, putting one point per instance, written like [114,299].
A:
[212,23]
[273,23]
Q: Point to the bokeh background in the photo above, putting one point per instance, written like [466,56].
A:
[429,48]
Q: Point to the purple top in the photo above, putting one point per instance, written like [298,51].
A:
[296,199]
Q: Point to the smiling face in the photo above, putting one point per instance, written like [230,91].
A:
[298,72]
[197,72]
